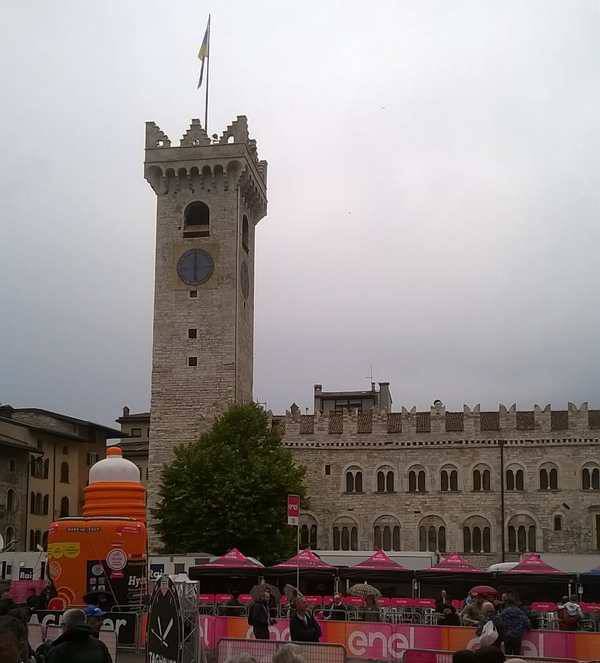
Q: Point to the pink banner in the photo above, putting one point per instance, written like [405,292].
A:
[388,641]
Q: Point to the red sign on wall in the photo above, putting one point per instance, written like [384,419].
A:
[293,509]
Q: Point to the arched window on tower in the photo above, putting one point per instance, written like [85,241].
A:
[245,234]
[520,482]
[196,220]
[304,536]
[10,501]
[389,482]
[313,537]
[510,480]
[558,523]
[380,482]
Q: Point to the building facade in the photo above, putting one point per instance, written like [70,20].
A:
[209,197]
[60,451]
[135,428]
[475,482]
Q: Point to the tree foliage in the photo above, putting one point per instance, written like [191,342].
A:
[229,489]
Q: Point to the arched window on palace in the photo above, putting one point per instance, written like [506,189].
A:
[548,477]
[386,533]
[481,479]
[477,535]
[432,534]
[416,480]
[345,534]
[590,478]
[308,532]
[515,479]
[385,480]
[10,501]
[354,480]
[448,479]
[521,534]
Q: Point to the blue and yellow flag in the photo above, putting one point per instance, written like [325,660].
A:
[204,50]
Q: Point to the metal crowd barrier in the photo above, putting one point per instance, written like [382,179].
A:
[264,650]
[438,656]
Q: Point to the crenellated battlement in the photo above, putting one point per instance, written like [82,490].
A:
[411,424]
[201,164]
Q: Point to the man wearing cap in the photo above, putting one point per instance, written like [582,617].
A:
[94,617]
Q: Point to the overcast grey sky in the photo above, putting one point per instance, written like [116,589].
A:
[434,188]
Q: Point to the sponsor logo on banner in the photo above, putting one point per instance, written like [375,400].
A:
[293,509]
[165,624]
[156,571]
[25,573]
[116,560]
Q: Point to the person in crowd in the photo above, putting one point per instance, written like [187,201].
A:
[33,600]
[303,626]
[6,605]
[442,602]
[10,647]
[234,607]
[464,656]
[289,653]
[490,655]
[259,616]
[514,624]
[569,614]
[241,658]
[77,644]
[448,616]
[488,614]
[94,618]
[370,613]
[471,614]
[337,610]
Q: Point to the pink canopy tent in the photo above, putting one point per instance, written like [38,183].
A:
[533,564]
[379,561]
[305,559]
[454,563]
[233,562]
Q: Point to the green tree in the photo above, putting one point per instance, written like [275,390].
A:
[229,489]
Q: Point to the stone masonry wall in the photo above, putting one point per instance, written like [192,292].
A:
[532,442]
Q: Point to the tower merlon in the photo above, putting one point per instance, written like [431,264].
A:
[198,164]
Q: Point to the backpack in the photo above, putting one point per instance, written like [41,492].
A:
[515,622]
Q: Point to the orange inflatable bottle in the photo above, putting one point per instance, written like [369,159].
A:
[101,557]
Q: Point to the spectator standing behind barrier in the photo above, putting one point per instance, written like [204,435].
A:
[259,616]
[514,624]
[486,634]
[77,643]
[569,615]
[289,653]
[337,610]
[94,618]
[448,616]
[10,647]
[471,614]
[303,626]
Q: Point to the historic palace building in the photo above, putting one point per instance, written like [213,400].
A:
[471,481]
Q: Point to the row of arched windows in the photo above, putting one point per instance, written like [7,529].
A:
[482,479]
[431,534]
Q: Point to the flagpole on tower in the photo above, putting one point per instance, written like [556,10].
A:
[207,75]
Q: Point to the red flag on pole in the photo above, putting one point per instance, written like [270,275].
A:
[293,509]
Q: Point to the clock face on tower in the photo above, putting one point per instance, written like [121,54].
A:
[195,267]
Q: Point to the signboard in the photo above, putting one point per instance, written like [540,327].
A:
[165,624]
[123,624]
[156,571]
[293,509]
[25,573]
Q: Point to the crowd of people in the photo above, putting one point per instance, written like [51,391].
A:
[79,641]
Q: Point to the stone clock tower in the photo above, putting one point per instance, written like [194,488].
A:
[210,195]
